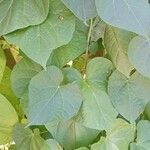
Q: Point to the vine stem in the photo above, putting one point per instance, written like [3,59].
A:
[88,42]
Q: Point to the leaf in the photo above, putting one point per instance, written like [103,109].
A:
[49,100]
[21,75]
[129,95]
[97,110]
[116,42]
[139,55]
[2,63]
[62,55]
[71,75]
[8,118]
[83,9]
[93,89]
[126,14]
[98,70]
[118,138]
[17,14]
[56,31]
[147,111]
[71,134]
[51,144]
[26,139]
[5,89]
[98,29]
[143,138]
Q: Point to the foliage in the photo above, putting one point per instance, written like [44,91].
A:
[75,74]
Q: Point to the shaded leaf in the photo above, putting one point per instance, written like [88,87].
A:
[116,42]
[71,75]
[71,134]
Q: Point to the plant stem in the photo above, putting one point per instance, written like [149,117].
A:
[88,42]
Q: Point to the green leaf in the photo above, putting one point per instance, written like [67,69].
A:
[147,111]
[83,9]
[56,31]
[49,100]
[98,29]
[21,75]
[126,14]
[20,14]
[93,89]
[26,139]
[6,90]
[129,95]
[98,70]
[71,134]
[97,110]
[8,118]
[62,55]
[139,55]
[71,75]
[51,144]
[116,42]
[2,63]
[143,138]
[118,138]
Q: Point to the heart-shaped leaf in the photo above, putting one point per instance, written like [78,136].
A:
[129,95]
[49,100]
[56,31]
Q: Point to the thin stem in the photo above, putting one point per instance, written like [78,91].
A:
[88,42]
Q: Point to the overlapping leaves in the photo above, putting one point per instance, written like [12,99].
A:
[76,106]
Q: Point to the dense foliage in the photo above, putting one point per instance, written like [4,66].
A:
[75,74]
